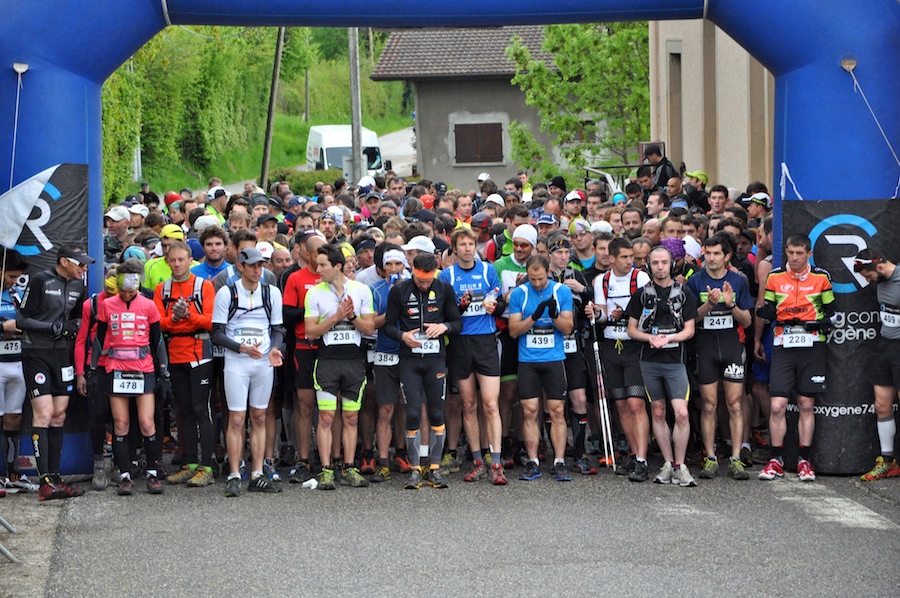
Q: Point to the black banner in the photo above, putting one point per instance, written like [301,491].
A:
[846,438]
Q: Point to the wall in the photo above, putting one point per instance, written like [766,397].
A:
[726,118]
[441,104]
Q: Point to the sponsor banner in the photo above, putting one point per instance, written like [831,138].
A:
[846,439]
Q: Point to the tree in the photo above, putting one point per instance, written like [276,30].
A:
[593,100]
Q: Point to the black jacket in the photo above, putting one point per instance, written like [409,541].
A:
[49,298]
[408,308]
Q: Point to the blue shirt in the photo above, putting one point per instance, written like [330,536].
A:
[479,281]
[742,298]
[207,272]
[380,290]
[544,342]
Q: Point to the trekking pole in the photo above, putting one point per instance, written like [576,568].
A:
[608,444]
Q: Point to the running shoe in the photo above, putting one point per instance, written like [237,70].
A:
[497,475]
[665,474]
[627,466]
[805,471]
[683,477]
[263,484]
[415,481]
[382,474]
[882,470]
[747,457]
[154,486]
[736,470]
[272,474]
[233,487]
[402,464]
[583,467]
[758,438]
[710,468]
[202,477]
[286,455]
[3,490]
[532,472]
[449,463]
[19,482]
[561,473]
[772,470]
[641,472]
[368,464]
[479,472]
[100,478]
[436,478]
[64,490]
[350,476]
[326,479]
[182,475]
[126,487]
[605,461]
[487,459]
[521,458]
[300,472]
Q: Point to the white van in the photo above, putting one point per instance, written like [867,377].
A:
[328,144]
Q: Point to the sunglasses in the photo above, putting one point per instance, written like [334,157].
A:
[521,245]
[860,265]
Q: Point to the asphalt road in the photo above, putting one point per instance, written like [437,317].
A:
[594,536]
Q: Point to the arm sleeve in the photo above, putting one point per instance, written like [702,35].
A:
[392,315]
[30,308]
[452,317]
[82,338]
[220,337]
[98,344]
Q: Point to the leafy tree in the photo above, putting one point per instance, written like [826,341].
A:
[593,101]
[121,125]
[300,53]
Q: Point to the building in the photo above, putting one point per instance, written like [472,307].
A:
[711,102]
[464,100]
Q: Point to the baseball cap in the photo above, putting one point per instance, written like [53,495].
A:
[118,213]
[172,198]
[171,231]
[216,192]
[250,255]
[337,214]
[484,177]
[74,254]
[547,219]
[441,188]
[698,174]
[578,226]
[601,226]
[139,209]
[297,200]
[205,221]
[526,232]
[495,198]
[366,181]
[422,216]
[574,196]
[420,243]
[266,249]
[482,220]
[762,199]
[196,248]
[427,201]
[265,218]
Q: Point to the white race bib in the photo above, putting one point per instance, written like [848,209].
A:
[721,322]
[248,336]
[540,341]
[218,351]
[429,346]
[386,359]
[570,345]
[67,374]
[10,347]
[476,308]
[128,383]
[794,340]
[891,319]
[342,337]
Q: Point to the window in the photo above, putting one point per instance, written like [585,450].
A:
[482,142]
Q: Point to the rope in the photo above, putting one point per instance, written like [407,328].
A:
[12,162]
[786,176]
[858,88]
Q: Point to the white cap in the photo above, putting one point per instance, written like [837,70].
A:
[265,248]
[484,177]
[692,247]
[205,221]
[366,181]
[337,213]
[527,233]
[420,243]
[495,198]
[139,209]
[117,213]
[601,226]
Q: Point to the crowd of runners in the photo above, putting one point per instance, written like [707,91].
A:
[394,329]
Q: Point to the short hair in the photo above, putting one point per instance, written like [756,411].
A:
[798,241]
[516,211]
[154,219]
[514,181]
[723,222]
[757,187]
[13,260]
[242,236]
[633,188]
[131,266]
[425,261]
[669,219]
[235,217]
[213,231]
[602,236]
[333,253]
[462,232]
[767,225]
[539,260]
[635,210]
[720,240]
[444,224]
[179,245]
[641,241]
[643,171]
[736,211]
[380,249]
[720,189]
[663,198]
[618,244]
[415,229]
[194,214]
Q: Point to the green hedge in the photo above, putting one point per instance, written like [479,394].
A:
[303,183]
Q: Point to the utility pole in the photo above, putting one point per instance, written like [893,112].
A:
[270,118]
[306,100]
[355,106]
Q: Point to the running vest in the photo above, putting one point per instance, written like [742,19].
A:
[652,300]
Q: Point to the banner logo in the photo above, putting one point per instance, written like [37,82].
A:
[841,243]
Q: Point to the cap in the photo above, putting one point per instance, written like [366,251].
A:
[373,196]
[547,219]
[74,254]
[762,199]
[495,198]
[482,220]
[427,201]
[139,209]
[171,231]
[250,255]
[366,181]
[337,213]
[266,249]
[441,188]
[365,244]
[601,226]
[484,177]
[196,248]
[420,243]
[559,242]
[749,234]
[692,247]
[205,221]
[422,216]
[675,247]
[526,232]
[259,200]
[297,200]
[118,213]
[557,181]
[172,198]
[574,196]
[265,218]
[132,199]
[276,203]
[578,226]
[216,192]
[698,174]
[187,190]
[618,198]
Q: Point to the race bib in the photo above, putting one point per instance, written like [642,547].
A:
[370,351]
[429,346]
[570,345]
[476,308]
[248,336]
[794,340]
[721,322]
[218,351]
[10,347]
[670,346]
[890,316]
[67,374]
[128,383]
[342,337]
[386,359]
[540,339]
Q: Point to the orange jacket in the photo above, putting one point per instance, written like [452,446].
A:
[187,339]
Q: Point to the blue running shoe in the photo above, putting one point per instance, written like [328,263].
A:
[561,473]
[532,472]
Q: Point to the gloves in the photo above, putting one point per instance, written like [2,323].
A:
[56,329]
[825,326]
[552,309]
[767,312]
[539,310]
[163,390]
[70,329]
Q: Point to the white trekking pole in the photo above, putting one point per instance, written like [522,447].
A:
[609,450]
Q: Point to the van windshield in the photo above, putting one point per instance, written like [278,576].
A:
[334,157]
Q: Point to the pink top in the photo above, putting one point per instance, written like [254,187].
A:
[128,327]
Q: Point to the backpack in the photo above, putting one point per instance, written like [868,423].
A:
[651,303]
[632,288]
[196,298]
[266,299]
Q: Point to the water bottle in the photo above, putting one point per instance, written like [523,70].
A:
[490,298]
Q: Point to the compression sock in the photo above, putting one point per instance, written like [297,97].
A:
[120,453]
[548,423]
[436,444]
[777,452]
[11,449]
[803,453]
[579,429]
[153,449]
[413,440]
[887,429]
[54,448]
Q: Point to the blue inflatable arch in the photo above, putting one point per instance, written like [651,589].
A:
[823,130]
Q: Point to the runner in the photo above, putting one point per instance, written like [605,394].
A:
[540,315]
[724,314]
[49,316]
[661,315]
[246,321]
[421,313]
[800,303]
[129,332]
[876,268]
